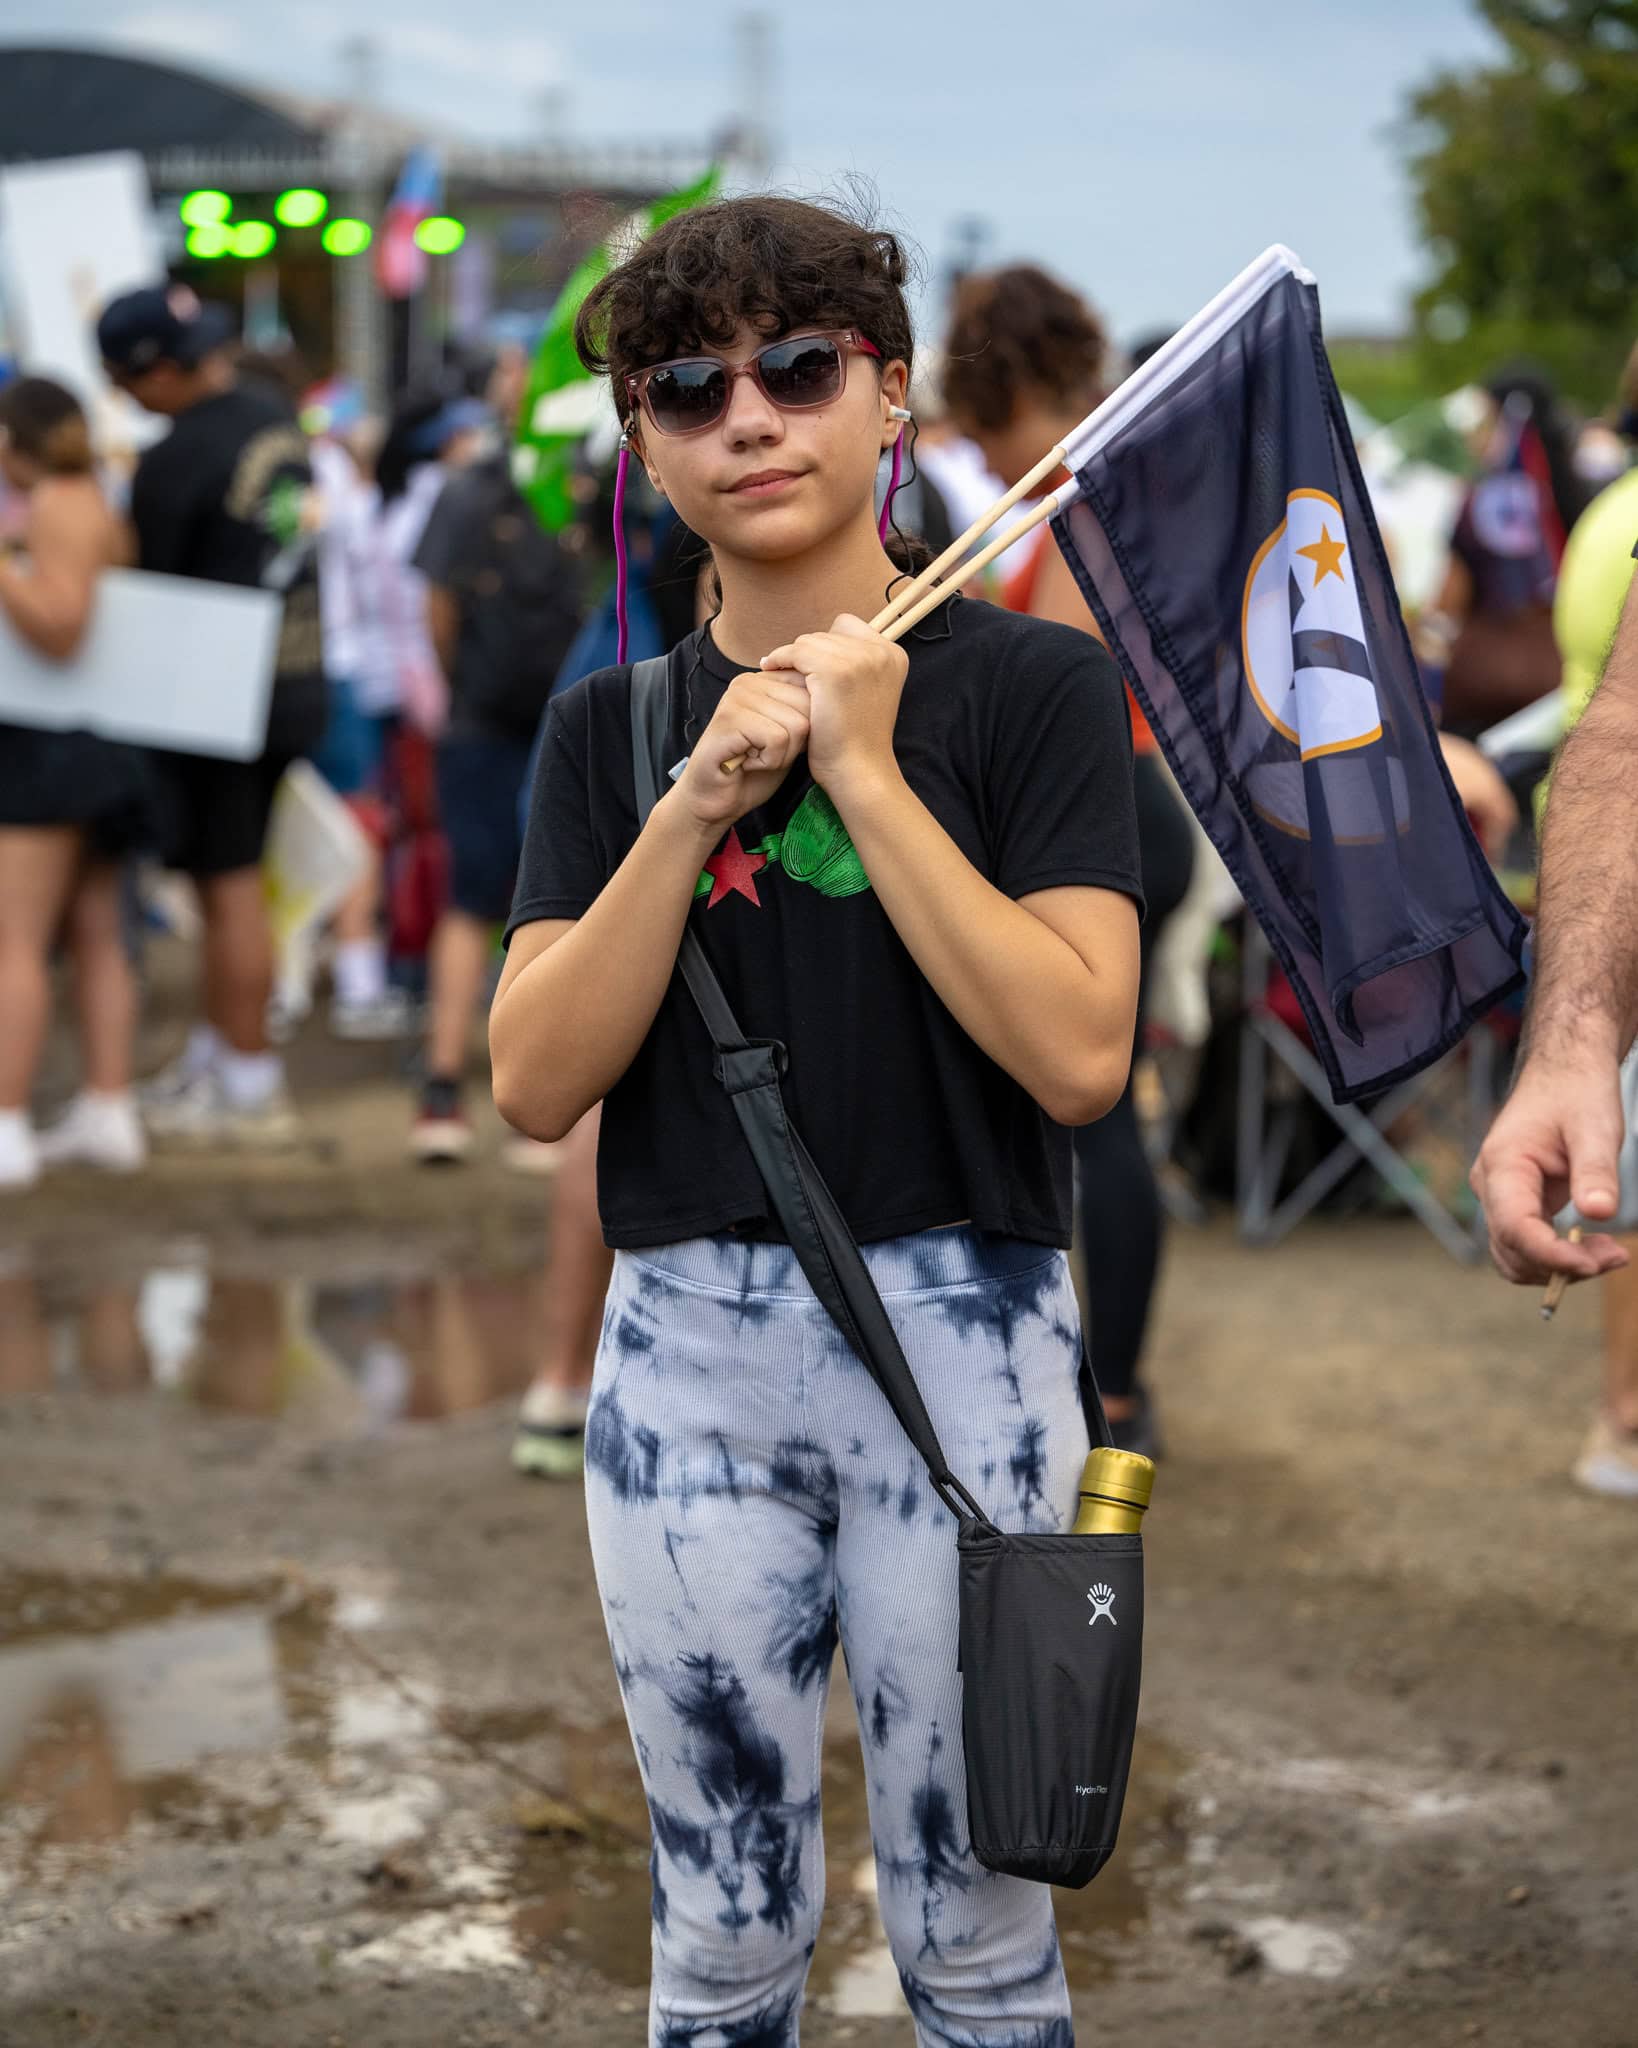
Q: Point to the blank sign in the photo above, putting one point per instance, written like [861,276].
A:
[169,661]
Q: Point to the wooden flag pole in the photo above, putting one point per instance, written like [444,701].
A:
[999,546]
[915,590]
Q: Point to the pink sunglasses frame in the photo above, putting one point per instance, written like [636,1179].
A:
[844,337]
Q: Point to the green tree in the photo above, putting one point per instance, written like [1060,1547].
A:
[1526,182]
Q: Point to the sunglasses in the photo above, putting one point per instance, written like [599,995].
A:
[796,374]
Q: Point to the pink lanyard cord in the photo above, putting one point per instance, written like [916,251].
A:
[886,519]
[620,563]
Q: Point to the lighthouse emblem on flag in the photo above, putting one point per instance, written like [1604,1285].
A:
[1302,636]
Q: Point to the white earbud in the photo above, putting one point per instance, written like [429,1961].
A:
[899,412]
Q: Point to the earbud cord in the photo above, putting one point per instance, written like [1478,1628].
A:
[620,566]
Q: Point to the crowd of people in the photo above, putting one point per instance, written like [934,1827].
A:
[422,629]
[427,622]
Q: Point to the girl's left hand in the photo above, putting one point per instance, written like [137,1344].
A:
[855,680]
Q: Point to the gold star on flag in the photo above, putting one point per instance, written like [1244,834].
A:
[1326,554]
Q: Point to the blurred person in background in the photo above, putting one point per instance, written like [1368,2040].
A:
[224,497]
[363,1002]
[1493,619]
[71,805]
[503,608]
[350,758]
[672,592]
[429,437]
[396,703]
[1025,361]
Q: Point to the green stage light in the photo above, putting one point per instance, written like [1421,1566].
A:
[252,238]
[439,236]
[204,209]
[300,208]
[347,237]
[212,239]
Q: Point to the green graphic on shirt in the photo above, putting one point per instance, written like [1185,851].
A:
[283,514]
[814,849]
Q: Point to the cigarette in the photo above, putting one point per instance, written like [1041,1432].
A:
[1557,1284]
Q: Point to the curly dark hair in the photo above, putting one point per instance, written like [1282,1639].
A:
[1019,330]
[780,263]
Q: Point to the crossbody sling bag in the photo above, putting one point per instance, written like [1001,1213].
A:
[1049,1692]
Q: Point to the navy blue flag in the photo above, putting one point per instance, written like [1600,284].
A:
[1224,539]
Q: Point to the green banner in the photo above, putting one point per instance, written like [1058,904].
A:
[560,403]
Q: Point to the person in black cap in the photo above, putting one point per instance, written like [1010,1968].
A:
[222,497]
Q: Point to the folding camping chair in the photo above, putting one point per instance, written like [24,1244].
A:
[1266,1126]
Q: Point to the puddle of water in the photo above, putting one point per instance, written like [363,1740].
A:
[342,1349]
[188,1704]
[113,1692]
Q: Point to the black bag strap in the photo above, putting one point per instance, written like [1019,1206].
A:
[814,1226]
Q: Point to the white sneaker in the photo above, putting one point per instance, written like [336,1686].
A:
[204,1115]
[173,1080]
[19,1151]
[531,1155]
[388,1015]
[1609,1461]
[97,1130]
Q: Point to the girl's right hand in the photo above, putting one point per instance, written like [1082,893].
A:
[763,720]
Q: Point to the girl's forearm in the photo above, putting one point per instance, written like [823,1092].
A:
[568,1025]
[1017,988]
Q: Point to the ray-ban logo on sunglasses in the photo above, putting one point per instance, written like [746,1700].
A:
[1102,1598]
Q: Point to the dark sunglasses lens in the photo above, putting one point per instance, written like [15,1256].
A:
[807,371]
[682,396]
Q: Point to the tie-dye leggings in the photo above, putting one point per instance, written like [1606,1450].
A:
[750,1497]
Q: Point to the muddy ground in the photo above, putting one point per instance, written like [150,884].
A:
[308,1737]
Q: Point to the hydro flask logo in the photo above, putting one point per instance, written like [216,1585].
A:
[1102,1598]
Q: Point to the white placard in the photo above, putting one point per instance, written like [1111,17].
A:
[169,661]
[75,233]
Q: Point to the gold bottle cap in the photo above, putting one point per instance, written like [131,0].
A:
[1122,1476]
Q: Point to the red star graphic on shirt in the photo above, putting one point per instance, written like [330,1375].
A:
[732,869]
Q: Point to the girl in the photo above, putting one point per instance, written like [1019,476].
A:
[923,881]
[1024,364]
[70,804]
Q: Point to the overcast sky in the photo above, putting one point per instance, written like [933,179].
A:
[1143,151]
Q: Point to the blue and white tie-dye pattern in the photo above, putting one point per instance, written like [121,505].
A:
[751,1496]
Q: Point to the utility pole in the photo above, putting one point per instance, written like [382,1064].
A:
[754,39]
[552,112]
[970,237]
[357,175]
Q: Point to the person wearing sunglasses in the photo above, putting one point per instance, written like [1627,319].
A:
[916,867]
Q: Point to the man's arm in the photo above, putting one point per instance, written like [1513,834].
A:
[1584,1001]
[1559,1135]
